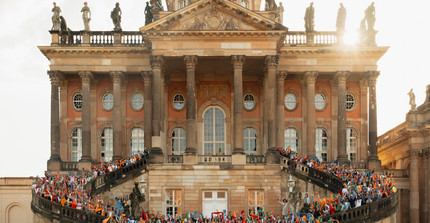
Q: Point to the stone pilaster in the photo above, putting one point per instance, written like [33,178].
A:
[271,62]
[414,197]
[147,110]
[55,159]
[364,108]
[191,107]
[156,155]
[86,77]
[310,78]
[332,153]
[280,117]
[341,77]
[373,160]
[117,77]
[238,62]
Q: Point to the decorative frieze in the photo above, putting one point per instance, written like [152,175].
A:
[213,91]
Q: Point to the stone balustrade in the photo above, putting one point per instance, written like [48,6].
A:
[69,166]
[175,159]
[97,38]
[214,159]
[55,212]
[298,38]
[370,212]
[257,159]
[395,173]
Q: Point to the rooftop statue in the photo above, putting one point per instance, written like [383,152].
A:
[309,18]
[341,17]
[148,14]
[279,13]
[56,23]
[86,16]
[270,5]
[369,15]
[116,17]
[157,5]
[412,100]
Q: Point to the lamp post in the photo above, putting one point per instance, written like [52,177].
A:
[291,183]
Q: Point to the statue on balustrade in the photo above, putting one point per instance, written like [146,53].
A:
[270,5]
[136,198]
[116,17]
[341,17]
[309,18]
[370,16]
[56,23]
[65,32]
[279,18]
[412,100]
[156,5]
[86,16]
[148,14]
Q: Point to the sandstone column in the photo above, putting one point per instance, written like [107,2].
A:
[271,61]
[238,61]
[310,77]
[341,77]
[86,77]
[156,151]
[414,198]
[280,117]
[364,123]
[55,159]
[147,110]
[117,77]
[191,107]
[373,160]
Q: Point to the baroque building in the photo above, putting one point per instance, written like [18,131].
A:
[405,151]
[212,88]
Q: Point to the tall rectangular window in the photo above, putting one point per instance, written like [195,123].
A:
[321,142]
[256,202]
[173,202]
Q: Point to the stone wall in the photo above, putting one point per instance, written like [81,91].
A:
[15,199]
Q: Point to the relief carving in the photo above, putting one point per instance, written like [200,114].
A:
[213,91]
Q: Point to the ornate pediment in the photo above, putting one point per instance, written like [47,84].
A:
[213,15]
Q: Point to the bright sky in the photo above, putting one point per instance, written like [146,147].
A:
[25,87]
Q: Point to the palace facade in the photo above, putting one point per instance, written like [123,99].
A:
[212,88]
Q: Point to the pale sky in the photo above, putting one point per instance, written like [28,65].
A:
[25,87]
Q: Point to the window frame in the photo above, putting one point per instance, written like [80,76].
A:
[173,101]
[321,138]
[180,138]
[247,137]
[214,141]
[103,101]
[131,98]
[253,192]
[139,138]
[349,138]
[354,105]
[78,139]
[325,101]
[109,140]
[255,101]
[290,138]
[172,204]
[73,101]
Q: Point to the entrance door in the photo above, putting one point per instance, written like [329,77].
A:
[213,201]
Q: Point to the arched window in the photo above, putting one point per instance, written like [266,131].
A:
[136,140]
[214,131]
[106,145]
[321,140]
[250,141]
[76,145]
[291,139]
[178,141]
[351,144]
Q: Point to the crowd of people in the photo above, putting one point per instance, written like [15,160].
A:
[359,188]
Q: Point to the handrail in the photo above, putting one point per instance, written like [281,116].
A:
[373,211]
[320,178]
[105,182]
[300,38]
[52,210]
[97,38]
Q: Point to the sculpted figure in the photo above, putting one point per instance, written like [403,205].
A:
[157,5]
[136,197]
[86,16]
[309,18]
[341,17]
[270,5]
[370,16]
[279,13]
[116,17]
[148,14]
[56,23]
[412,100]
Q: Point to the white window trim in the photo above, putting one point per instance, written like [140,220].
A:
[321,138]
[249,138]
[79,144]
[180,150]
[213,126]
[348,144]
[140,140]
[255,207]
[173,205]
[108,145]
[289,139]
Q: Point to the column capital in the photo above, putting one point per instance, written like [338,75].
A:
[237,61]
[372,76]
[191,61]
[363,85]
[156,61]
[426,153]
[271,61]
[281,75]
[86,76]
[341,77]
[414,153]
[116,76]
[55,76]
[147,75]
[311,77]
